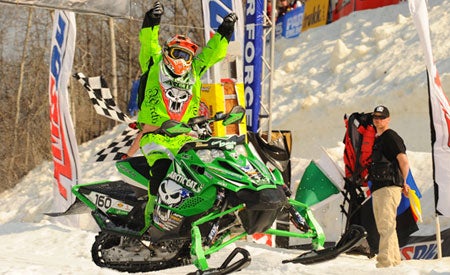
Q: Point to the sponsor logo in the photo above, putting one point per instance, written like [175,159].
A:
[341,4]
[294,25]
[62,163]
[227,144]
[218,9]
[424,250]
[181,179]
[249,70]
[447,121]
[314,17]
[437,81]
[252,60]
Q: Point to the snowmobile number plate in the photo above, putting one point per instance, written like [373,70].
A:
[108,204]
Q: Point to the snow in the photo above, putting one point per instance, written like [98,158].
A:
[367,58]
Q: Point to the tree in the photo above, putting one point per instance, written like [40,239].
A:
[24,59]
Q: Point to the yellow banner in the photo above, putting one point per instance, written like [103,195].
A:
[221,97]
[316,13]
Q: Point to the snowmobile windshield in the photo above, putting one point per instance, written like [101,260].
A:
[214,143]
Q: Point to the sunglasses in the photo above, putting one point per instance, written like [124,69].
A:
[379,117]
[177,53]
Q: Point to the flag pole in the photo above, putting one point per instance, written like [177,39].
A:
[438,238]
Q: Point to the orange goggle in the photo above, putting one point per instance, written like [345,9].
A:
[177,53]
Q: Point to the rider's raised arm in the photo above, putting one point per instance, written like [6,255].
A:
[216,48]
[148,36]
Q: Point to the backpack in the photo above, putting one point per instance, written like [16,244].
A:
[143,83]
[359,139]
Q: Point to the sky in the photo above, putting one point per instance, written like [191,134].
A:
[365,59]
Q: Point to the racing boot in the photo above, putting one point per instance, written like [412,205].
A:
[136,218]
[149,210]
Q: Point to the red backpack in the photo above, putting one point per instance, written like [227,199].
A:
[359,138]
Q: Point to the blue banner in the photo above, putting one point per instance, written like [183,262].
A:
[290,24]
[132,107]
[217,10]
[253,33]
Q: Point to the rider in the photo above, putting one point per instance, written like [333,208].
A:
[172,89]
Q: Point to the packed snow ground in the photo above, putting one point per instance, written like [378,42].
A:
[367,58]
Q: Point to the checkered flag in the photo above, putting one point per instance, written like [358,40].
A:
[116,149]
[101,98]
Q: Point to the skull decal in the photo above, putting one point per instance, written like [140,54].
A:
[176,92]
[171,194]
[177,98]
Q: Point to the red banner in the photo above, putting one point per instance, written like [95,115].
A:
[343,8]
[371,4]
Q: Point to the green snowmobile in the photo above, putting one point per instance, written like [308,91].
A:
[216,192]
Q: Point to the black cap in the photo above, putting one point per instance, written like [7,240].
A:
[381,111]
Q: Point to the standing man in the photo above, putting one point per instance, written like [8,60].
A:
[387,172]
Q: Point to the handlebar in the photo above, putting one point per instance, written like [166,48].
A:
[200,124]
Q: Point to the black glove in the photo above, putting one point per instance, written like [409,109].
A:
[153,16]
[226,29]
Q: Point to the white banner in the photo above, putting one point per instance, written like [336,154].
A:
[64,144]
[213,13]
[439,111]
[215,10]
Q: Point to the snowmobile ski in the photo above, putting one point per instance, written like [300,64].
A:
[226,268]
[77,207]
[352,237]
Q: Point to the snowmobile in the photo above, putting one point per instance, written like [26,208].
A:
[216,192]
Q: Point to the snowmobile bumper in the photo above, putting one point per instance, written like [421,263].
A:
[318,236]
[199,252]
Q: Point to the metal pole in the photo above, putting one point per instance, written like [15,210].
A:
[272,65]
[113,59]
